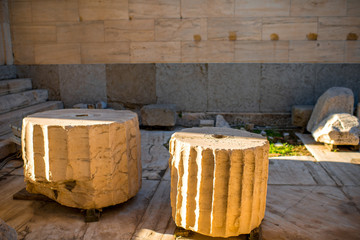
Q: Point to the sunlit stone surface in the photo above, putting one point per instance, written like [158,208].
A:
[82,158]
[218,180]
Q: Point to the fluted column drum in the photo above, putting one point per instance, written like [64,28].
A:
[82,158]
[218,180]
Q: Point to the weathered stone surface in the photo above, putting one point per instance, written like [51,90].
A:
[7,232]
[7,71]
[337,75]
[43,77]
[15,85]
[338,129]
[206,123]
[334,100]
[158,115]
[182,84]
[218,180]
[285,85]
[234,87]
[221,122]
[301,114]
[130,84]
[14,116]
[74,78]
[82,158]
[19,100]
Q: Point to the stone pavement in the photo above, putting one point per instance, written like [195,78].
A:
[305,200]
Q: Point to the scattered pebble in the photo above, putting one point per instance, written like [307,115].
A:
[263,133]
[278,144]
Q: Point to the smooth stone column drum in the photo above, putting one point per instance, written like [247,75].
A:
[82,158]
[218,180]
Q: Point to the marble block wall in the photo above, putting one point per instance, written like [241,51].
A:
[163,31]
[194,87]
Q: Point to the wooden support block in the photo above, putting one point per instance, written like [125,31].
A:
[92,215]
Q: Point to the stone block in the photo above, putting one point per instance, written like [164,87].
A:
[318,8]
[20,12]
[86,159]
[221,122]
[43,77]
[261,8]
[207,8]
[180,29]
[155,52]
[15,85]
[334,100]
[80,32]
[338,129]
[245,28]
[7,72]
[238,91]
[93,10]
[289,28]
[73,78]
[154,8]
[55,11]
[163,115]
[301,114]
[285,85]
[262,51]
[34,33]
[183,85]
[15,101]
[353,8]
[190,119]
[129,30]
[352,51]
[337,75]
[207,51]
[337,28]
[316,51]
[65,53]
[216,176]
[105,52]
[130,84]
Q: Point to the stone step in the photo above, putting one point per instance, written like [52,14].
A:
[15,85]
[15,101]
[16,116]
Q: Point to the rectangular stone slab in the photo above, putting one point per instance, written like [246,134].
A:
[19,100]
[15,85]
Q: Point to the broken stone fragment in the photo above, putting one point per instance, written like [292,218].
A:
[162,115]
[217,176]
[7,232]
[301,114]
[82,158]
[338,129]
[334,100]
[221,122]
